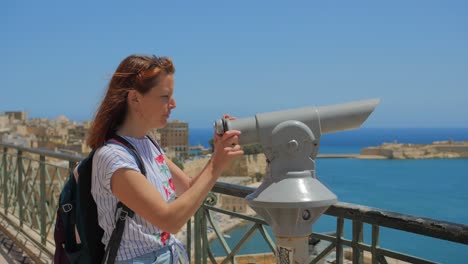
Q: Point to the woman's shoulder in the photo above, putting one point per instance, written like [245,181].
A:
[112,150]
[114,156]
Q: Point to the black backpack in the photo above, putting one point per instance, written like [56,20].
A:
[77,214]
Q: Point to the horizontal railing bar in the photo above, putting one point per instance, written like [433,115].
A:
[349,243]
[232,189]
[324,237]
[44,152]
[242,216]
[420,225]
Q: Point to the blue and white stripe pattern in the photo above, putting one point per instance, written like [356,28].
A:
[140,236]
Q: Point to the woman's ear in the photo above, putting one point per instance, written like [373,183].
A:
[132,97]
[133,102]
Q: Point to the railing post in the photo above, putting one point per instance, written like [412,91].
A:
[357,238]
[5,181]
[339,238]
[197,236]
[204,233]
[189,240]
[375,243]
[20,192]
[43,199]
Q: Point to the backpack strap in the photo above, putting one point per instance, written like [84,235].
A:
[155,143]
[122,211]
[118,140]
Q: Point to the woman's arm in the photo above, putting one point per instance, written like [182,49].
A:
[135,191]
[181,180]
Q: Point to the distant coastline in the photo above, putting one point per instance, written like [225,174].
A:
[438,149]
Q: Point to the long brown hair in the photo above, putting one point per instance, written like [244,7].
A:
[134,72]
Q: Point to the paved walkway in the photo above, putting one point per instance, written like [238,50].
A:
[4,258]
[17,247]
[10,253]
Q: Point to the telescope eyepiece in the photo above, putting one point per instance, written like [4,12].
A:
[220,126]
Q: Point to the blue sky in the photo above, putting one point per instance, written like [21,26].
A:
[243,57]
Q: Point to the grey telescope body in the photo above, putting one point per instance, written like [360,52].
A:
[291,198]
[320,120]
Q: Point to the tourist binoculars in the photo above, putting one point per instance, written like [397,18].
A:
[290,197]
[264,128]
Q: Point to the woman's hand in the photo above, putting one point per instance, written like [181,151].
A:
[226,148]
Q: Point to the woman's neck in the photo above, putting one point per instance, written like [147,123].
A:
[132,127]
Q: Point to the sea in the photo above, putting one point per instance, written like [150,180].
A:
[431,188]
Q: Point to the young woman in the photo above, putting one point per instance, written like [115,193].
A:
[138,99]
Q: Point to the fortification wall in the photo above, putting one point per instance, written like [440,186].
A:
[419,151]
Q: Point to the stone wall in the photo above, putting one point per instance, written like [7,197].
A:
[377,151]
[247,165]
[462,150]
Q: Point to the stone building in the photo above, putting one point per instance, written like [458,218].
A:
[232,203]
[4,121]
[174,139]
[77,134]
[17,115]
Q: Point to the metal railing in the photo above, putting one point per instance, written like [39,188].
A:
[30,184]
[31,181]
[359,215]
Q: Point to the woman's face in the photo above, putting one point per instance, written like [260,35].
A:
[156,105]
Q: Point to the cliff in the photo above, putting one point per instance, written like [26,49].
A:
[438,149]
